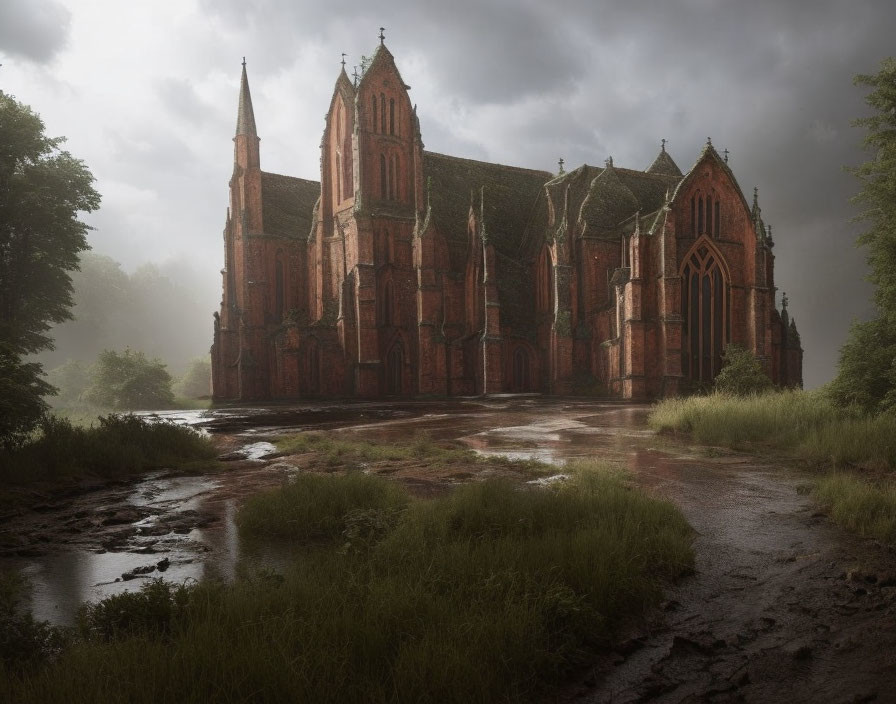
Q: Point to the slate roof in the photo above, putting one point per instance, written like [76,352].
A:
[664,164]
[515,211]
[287,204]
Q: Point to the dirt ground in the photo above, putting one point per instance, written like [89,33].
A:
[782,606]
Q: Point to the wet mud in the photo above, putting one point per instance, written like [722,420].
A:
[782,605]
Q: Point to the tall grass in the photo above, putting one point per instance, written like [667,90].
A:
[118,445]
[859,504]
[805,424]
[489,594]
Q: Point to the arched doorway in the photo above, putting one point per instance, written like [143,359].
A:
[520,371]
[394,369]
[705,311]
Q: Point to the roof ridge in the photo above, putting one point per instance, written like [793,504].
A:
[488,163]
[292,178]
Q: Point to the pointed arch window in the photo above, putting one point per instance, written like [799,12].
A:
[383,113]
[391,115]
[386,310]
[705,309]
[373,101]
[383,181]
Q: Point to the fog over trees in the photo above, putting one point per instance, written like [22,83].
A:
[162,310]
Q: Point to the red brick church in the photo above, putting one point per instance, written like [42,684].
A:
[404,272]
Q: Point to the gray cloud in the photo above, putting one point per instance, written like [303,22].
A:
[33,29]
[518,81]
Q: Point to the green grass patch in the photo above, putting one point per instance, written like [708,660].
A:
[117,445]
[492,593]
[861,505]
[804,425]
[342,449]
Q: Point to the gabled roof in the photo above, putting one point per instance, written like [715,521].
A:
[514,210]
[287,204]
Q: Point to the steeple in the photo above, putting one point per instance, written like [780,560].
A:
[245,117]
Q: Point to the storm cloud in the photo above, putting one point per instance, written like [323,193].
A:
[147,95]
[33,29]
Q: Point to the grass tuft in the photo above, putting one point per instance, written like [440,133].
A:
[860,505]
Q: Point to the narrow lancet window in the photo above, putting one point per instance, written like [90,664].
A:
[373,101]
[383,113]
[391,115]
[383,181]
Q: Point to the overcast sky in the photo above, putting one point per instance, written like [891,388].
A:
[146,92]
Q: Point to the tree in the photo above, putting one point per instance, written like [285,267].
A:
[128,380]
[867,368]
[42,190]
[741,373]
[197,382]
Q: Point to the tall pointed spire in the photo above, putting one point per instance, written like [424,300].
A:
[245,117]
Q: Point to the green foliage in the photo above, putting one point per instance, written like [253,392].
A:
[867,372]
[153,611]
[741,373]
[197,381]
[867,368]
[128,380]
[494,593]
[865,507]
[21,405]
[42,190]
[807,425]
[116,446]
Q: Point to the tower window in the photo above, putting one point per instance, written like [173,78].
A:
[391,115]
[373,101]
[718,217]
[383,113]
[709,217]
[383,181]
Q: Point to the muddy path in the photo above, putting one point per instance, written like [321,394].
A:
[782,605]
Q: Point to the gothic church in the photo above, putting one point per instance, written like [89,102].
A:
[404,272]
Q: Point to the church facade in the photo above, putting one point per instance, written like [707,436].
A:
[405,272]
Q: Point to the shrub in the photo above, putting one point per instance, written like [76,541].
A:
[741,373]
[128,380]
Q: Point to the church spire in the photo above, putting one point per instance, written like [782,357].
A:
[245,117]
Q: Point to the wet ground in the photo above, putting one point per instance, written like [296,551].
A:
[782,607]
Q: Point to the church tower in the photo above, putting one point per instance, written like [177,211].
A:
[370,186]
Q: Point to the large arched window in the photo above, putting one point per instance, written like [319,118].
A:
[705,311]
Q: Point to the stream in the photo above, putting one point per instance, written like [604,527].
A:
[782,606]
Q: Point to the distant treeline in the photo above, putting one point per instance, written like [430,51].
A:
[164,312]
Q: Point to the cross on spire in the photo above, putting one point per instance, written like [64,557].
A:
[244,62]
[382,35]
[560,163]
[784,301]
[355,75]
[663,143]
[608,161]
[726,152]
[709,141]
[343,59]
